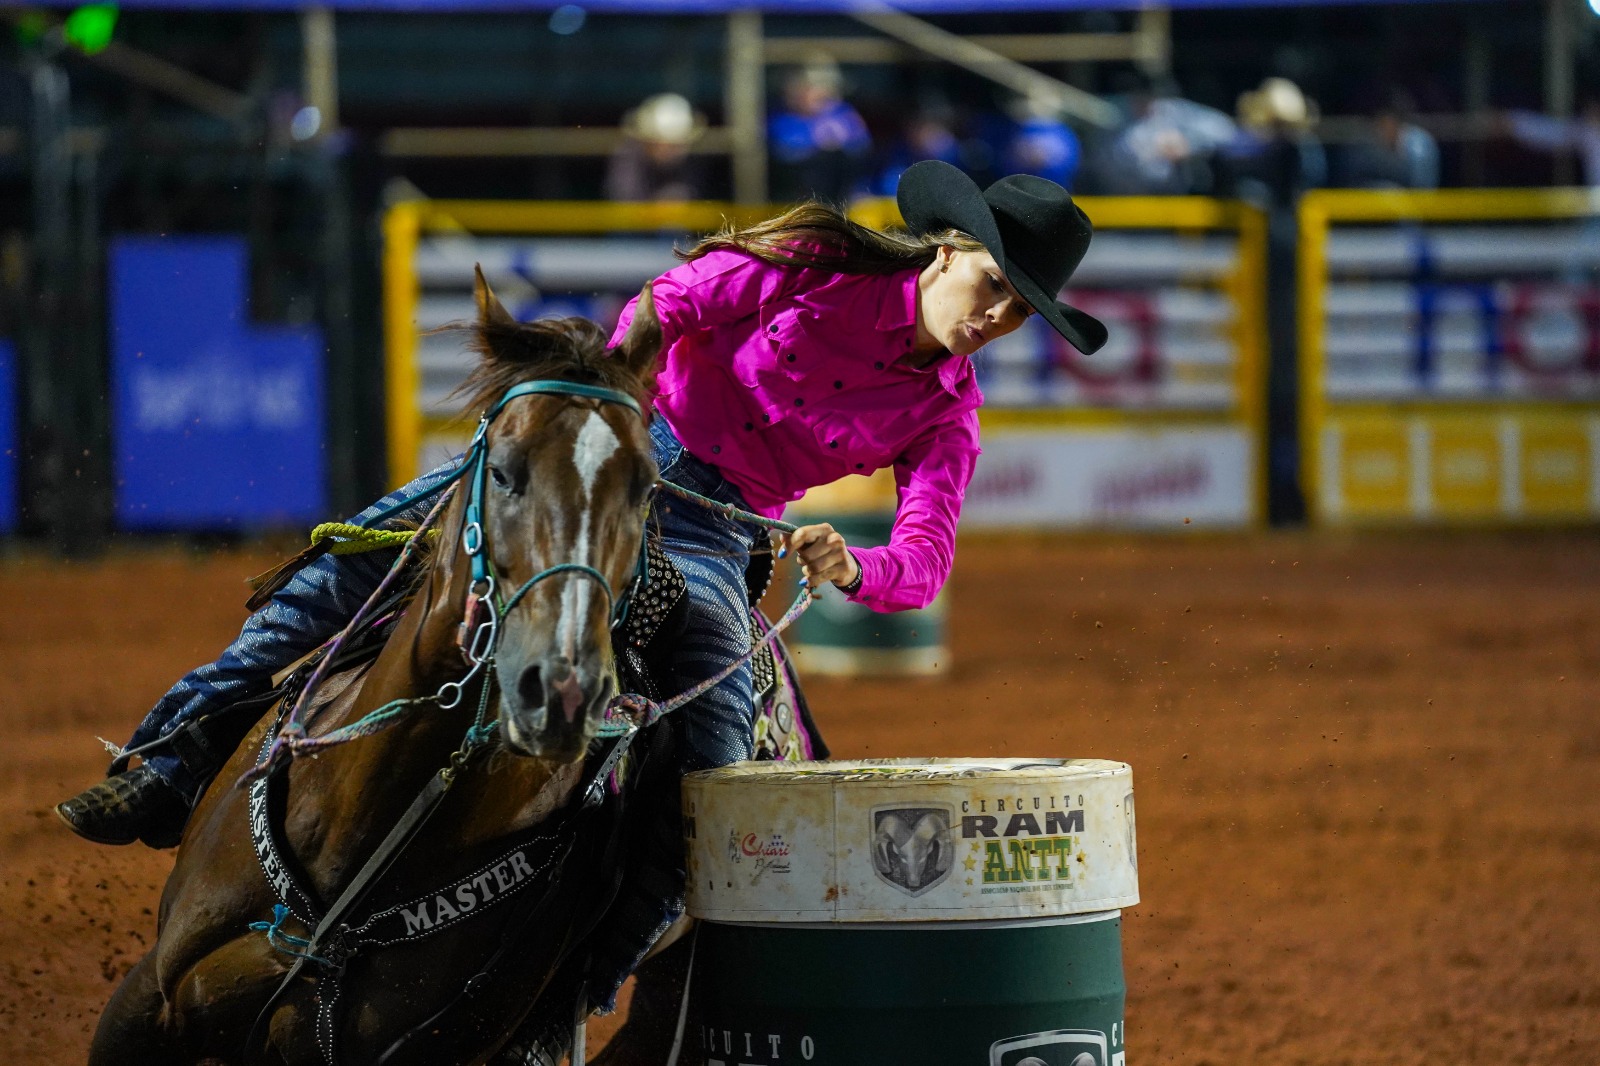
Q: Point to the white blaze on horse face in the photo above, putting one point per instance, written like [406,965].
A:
[596,443]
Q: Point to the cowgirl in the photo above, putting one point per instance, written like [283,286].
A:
[794,352]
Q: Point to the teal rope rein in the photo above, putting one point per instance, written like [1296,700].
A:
[627,712]
[616,725]
[292,738]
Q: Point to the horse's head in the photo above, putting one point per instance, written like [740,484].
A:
[564,482]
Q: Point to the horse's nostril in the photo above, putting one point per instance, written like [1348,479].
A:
[530,687]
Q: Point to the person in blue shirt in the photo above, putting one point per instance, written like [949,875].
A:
[1042,144]
[820,145]
[930,134]
[1399,154]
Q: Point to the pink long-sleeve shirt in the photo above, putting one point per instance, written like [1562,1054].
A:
[786,378]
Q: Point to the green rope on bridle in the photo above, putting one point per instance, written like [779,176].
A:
[351,539]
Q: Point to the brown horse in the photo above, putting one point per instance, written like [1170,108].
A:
[213,989]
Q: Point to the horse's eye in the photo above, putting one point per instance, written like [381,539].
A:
[499,478]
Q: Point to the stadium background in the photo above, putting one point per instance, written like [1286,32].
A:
[1311,544]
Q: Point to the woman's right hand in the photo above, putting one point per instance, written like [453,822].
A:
[823,555]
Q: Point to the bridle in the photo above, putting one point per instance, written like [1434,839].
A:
[479,633]
[484,611]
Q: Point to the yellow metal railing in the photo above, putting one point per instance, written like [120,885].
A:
[1318,212]
[407,222]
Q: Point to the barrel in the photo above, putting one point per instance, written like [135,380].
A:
[909,911]
[839,638]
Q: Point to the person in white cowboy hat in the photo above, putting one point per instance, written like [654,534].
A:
[1277,106]
[1278,156]
[653,162]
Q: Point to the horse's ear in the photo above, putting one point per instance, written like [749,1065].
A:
[490,311]
[641,345]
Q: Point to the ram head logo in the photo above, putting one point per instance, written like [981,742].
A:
[1059,1047]
[911,847]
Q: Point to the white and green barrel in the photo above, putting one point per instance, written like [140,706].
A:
[843,639]
[927,911]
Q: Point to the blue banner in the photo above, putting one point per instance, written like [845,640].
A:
[10,443]
[216,423]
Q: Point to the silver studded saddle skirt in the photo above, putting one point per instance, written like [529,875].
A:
[647,639]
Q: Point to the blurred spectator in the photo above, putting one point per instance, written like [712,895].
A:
[1580,134]
[1400,155]
[653,160]
[930,134]
[1277,157]
[1042,144]
[820,145]
[1168,146]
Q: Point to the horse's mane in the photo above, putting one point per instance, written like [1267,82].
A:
[560,349]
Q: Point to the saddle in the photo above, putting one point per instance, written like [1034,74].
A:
[646,640]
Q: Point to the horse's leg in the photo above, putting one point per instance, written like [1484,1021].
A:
[221,997]
[134,1028]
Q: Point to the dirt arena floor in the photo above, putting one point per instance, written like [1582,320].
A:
[1367,767]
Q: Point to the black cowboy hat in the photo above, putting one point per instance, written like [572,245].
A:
[1029,224]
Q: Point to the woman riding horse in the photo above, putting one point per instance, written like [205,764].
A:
[794,353]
